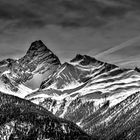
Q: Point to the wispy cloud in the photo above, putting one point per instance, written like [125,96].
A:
[66,13]
[118,47]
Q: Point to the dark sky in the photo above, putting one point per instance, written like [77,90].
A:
[68,27]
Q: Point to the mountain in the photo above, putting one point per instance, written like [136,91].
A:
[38,60]
[29,70]
[69,75]
[102,99]
[23,120]
[8,84]
[92,93]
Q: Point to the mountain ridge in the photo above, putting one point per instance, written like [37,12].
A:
[84,90]
[37,63]
[84,87]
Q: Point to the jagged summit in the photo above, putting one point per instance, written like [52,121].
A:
[39,61]
[39,49]
[37,42]
[80,69]
[85,60]
[78,57]
[137,69]
[37,45]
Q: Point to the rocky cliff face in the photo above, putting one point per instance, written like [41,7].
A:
[38,60]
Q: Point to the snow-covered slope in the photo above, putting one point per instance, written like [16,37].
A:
[66,77]
[39,60]
[85,86]
[9,86]
[119,122]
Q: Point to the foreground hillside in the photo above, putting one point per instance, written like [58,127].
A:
[23,120]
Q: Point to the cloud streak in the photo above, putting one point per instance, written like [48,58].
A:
[118,47]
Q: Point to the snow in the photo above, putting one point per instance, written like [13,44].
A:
[6,72]
[58,74]
[76,62]
[114,98]
[71,85]
[79,123]
[117,98]
[69,100]
[64,128]
[22,90]
[126,105]
[103,87]
[54,96]
[124,85]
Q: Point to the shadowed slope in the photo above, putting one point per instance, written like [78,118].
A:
[21,119]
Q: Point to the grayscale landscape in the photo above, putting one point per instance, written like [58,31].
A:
[69,70]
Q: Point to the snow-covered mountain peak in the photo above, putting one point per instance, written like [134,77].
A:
[31,69]
[78,57]
[137,69]
[86,61]
[37,45]
[38,60]
[39,50]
